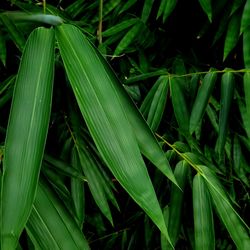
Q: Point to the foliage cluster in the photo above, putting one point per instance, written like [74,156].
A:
[125,124]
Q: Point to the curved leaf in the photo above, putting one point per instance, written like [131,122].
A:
[106,120]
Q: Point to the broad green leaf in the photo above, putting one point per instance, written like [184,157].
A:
[203,215]
[232,36]
[236,227]
[107,122]
[50,226]
[158,104]
[26,134]
[207,7]
[144,136]
[245,19]
[227,92]
[201,100]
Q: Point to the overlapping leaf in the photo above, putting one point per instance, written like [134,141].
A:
[50,226]
[106,120]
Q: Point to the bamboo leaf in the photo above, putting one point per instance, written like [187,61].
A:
[238,161]
[74,8]
[207,7]
[161,8]
[246,48]
[147,7]
[227,91]
[203,215]
[26,134]
[119,27]
[127,5]
[16,35]
[144,76]
[222,24]
[145,106]
[179,104]
[108,7]
[148,144]
[95,184]
[232,36]
[166,8]
[236,5]
[128,38]
[201,100]
[245,19]
[246,82]
[63,168]
[77,191]
[6,90]
[212,117]
[176,201]
[3,52]
[158,104]
[236,227]
[169,7]
[101,108]
[245,117]
[50,226]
